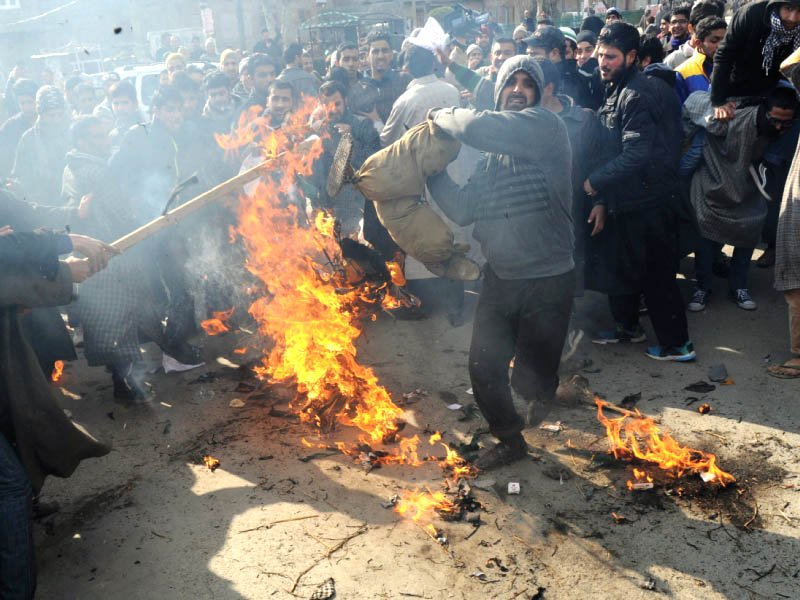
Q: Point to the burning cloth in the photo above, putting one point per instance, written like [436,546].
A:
[394,179]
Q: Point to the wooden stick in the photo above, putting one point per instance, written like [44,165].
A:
[180,212]
[339,546]
[626,412]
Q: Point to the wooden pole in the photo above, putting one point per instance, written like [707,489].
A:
[178,213]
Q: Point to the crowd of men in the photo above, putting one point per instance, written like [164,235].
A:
[592,159]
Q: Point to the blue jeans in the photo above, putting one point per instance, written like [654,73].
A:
[17,561]
[703,261]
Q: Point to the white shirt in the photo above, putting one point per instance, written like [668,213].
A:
[413,105]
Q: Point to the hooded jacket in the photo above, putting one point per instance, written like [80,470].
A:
[520,196]
[738,69]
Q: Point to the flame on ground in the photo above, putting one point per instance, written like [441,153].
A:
[216,324]
[639,437]
[313,323]
[58,371]
[314,306]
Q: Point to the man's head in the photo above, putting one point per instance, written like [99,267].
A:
[587,41]
[47,77]
[216,86]
[519,84]
[419,61]
[175,62]
[781,108]
[380,53]
[617,49]
[679,21]
[167,108]
[347,59]
[51,108]
[90,136]
[292,56]
[174,43]
[263,71]
[502,50]
[229,63]
[123,100]
[789,14]
[85,99]
[332,95]
[474,56]
[651,51]
[520,33]
[663,27]
[265,35]
[109,79]
[709,33]
[613,15]
[308,62]
[592,23]
[551,78]
[484,39]
[547,42]
[702,9]
[190,94]
[25,93]
[211,46]
[570,43]
[280,100]
[363,58]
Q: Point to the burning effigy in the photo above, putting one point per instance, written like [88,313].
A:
[635,437]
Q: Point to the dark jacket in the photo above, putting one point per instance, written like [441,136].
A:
[644,168]
[39,164]
[46,441]
[590,87]
[146,167]
[10,133]
[390,86]
[520,197]
[738,62]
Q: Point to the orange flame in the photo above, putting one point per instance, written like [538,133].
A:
[639,437]
[216,324]
[58,370]
[312,323]
[418,504]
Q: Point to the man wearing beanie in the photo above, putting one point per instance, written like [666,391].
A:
[520,202]
[11,131]
[40,159]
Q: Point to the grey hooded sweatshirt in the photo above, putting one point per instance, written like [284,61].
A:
[520,196]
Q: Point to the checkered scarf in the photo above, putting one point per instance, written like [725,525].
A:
[779,36]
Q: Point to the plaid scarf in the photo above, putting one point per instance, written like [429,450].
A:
[778,36]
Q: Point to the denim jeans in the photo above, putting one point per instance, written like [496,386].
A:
[704,257]
[17,562]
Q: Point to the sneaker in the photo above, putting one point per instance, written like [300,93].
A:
[699,300]
[504,453]
[685,353]
[744,300]
[620,334]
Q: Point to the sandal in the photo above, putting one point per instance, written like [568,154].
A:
[784,371]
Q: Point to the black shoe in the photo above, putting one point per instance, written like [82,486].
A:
[127,389]
[44,509]
[184,353]
[504,453]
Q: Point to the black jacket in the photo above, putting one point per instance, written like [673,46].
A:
[590,86]
[643,171]
[738,69]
